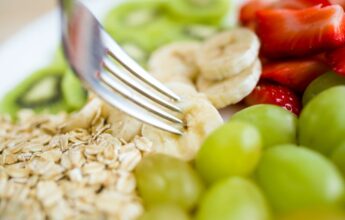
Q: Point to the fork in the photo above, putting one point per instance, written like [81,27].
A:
[105,68]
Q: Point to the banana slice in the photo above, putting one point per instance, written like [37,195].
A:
[175,62]
[228,53]
[233,89]
[200,117]
[123,126]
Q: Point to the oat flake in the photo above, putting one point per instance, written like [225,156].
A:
[67,167]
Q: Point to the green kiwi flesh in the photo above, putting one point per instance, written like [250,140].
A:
[41,92]
[199,10]
[144,24]
[73,92]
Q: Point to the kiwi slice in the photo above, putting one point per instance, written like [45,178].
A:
[199,10]
[144,24]
[59,59]
[73,92]
[41,92]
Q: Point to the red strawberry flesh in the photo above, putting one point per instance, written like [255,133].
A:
[338,2]
[248,11]
[300,4]
[291,33]
[266,93]
[336,60]
[295,74]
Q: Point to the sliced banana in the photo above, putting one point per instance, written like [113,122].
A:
[200,117]
[233,89]
[228,53]
[123,126]
[175,62]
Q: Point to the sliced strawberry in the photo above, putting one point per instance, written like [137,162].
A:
[338,2]
[336,59]
[248,11]
[300,4]
[267,93]
[320,57]
[288,33]
[295,74]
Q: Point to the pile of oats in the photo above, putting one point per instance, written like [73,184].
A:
[64,167]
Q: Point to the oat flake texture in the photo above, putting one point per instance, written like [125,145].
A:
[68,167]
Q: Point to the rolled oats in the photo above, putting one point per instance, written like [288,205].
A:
[129,159]
[68,167]
[76,157]
[93,167]
[75,175]
[143,144]
[126,182]
[7,158]
[52,155]
[17,170]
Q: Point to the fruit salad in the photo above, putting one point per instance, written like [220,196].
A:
[277,67]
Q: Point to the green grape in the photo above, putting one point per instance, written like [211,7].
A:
[165,212]
[296,178]
[322,121]
[163,179]
[232,150]
[338,157]
[314,214]
[322,83]
[276,125]
[233,198]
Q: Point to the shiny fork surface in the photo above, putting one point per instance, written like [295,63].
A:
[108,71]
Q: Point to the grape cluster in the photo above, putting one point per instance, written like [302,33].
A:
[264,163]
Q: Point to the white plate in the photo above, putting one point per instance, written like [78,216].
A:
[34,46]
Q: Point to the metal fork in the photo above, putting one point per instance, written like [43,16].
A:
[104,68]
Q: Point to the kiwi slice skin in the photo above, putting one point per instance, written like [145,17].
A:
[199,10]
[42,93]
[13,100]
[73,92]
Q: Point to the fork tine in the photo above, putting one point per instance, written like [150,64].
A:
[131,95]
[130,108]
[85,46]
[115,51]
[121,75]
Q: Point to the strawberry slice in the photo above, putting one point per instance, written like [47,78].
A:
[336,59]
[295,74]
[338,2]
[267,93]
[300,4]
[248,11]
[287,32]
